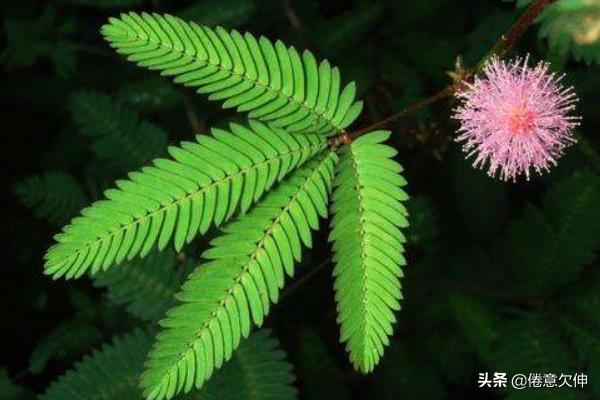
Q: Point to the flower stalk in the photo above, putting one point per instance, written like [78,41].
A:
[499,49]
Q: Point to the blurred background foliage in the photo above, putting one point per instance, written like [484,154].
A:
[502,277]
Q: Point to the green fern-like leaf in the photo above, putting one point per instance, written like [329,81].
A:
[577,314]
[119,138]
[53,196]
[273,83]
[68,339]
[549,247]
[204,183]
[582,301]
[147,286]
[244,275]
[404,374]
[572,26]
[110,373]
[533,343]
[477,320]
[585,339]
[368,245]
[29,40]
[529,343]
[257,371]
[149,95]
[322,378]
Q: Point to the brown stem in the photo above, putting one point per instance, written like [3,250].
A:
[306,277]
[514,33]
[195,123]
[292,16]
[447,91]
[500,48]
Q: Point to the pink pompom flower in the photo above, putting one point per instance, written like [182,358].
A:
[515,117]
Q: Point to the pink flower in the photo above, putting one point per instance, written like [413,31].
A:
[516,117]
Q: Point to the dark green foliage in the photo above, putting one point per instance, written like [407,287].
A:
[148,95]
[579,320]
[69,339]
[9,390]
[476,319]
[108,373]
[571,28]
[533,344]
[545,249]
[54,196]
[258,371]
[404,374]
[448,355]
[537,242]
[41,37]
[147,287]
[314,385]
[119,138]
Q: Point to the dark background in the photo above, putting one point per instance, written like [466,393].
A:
[501,276]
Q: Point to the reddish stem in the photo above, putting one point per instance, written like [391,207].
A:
[502,46]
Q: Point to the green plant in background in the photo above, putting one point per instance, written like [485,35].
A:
[29,40]
[572,26]
[196,240]
[110,372]
[118,138]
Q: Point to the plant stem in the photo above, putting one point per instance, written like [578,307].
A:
[514,33]
[447,91]
[196,124]
[294,20]
[499,49]
[306,277]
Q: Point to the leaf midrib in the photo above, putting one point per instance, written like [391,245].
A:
[250,257]
[178,200]
[243,76]
[363,255]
